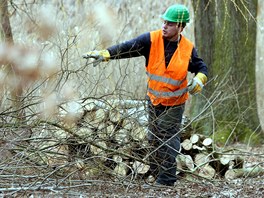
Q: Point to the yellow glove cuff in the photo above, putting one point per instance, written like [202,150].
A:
[202,77]
[105,54]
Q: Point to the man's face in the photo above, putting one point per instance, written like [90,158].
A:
[171,30]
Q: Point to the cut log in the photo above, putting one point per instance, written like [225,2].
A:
[189,162]
[207,142]
[150,179]
[225,159]
[121,136]
[186,144]
[84,133]
[139,133]
[201,159]
[194,138]
[115,116]
[90,119]
[98,151]
[126,104]
[60,134]
[94,118]
[207,171]
[140,168]
[90,104]
[185,162]
[101,115]
[72,107]
[139,114]
[110,129]
[231,164]
[101,130]
[70,113]
[121,170]
[129,124]
[179,163]
[105,130]
[244,172]
[235,163]
[117,158]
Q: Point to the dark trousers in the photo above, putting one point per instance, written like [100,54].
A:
[164,138]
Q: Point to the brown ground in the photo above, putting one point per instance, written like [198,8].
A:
[251,187]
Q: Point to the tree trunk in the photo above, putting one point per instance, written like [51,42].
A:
[6,31]
[260,63]
[225,35]
[7,37]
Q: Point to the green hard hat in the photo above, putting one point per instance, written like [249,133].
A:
[177,13]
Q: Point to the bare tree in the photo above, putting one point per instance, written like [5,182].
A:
[7,37]
[6,30]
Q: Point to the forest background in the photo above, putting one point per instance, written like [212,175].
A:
[46,86]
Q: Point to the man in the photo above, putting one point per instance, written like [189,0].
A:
[169,56]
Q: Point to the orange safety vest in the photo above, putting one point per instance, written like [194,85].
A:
[168,86]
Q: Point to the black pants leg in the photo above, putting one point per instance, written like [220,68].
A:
[164,126]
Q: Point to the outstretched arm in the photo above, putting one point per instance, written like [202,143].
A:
[138,46]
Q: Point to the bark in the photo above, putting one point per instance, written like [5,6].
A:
[225,35]
[6,30]
[260,62]
[7,37]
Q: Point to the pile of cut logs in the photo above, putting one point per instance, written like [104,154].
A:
[200,156]
[114,134]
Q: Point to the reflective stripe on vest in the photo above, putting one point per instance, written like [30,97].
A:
[168,94]
[164,79]
[168,85]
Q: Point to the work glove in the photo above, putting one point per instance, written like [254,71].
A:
[102,55]
[196,84]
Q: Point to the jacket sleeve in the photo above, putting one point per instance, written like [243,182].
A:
[139,46]
[197,64]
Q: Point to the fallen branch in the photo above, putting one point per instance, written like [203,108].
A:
[244,172]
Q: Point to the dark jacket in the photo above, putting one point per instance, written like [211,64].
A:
[140,46]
